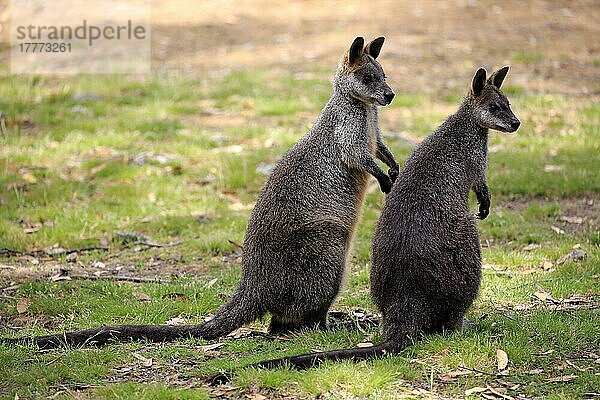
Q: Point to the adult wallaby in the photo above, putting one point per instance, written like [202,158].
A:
[426,266]
[298,238]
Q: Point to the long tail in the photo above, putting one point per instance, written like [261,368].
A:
[232,315]
[305,361]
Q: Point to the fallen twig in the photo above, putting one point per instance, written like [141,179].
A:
[476,370]
[130,239]
[136,279]
[50,252]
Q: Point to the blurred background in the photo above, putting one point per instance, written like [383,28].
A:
[431,45]
[553,45]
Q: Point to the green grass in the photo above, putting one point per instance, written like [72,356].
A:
[176,159]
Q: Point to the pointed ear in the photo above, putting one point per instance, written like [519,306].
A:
[497,77]
[356,50]
[374,47]
[478,81]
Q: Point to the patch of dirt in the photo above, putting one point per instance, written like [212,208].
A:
[431,46]
[151,264]
[577,215]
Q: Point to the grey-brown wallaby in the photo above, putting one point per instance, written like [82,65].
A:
[426,265]
[299,235]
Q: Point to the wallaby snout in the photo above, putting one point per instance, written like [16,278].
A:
[389,96]
[514,125]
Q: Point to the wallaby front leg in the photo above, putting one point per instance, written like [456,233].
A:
[361,159]
[483,197]
[385,155]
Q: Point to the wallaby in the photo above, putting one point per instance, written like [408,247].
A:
[298,239]
[426,265]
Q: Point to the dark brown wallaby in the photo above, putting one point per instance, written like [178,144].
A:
[426,265]
[299,235]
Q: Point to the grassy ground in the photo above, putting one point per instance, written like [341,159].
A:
[132,157]
[160,175]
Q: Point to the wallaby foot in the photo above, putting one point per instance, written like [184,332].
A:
[316,319]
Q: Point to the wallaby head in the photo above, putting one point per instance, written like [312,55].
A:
[489,105]
[360,76]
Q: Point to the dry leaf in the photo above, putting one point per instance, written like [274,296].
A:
[210,347]
[542,296]
[175,321]
[574,255]
[522,307]
[557,230]
[535,371]
[553,168]
[23,305]
[32,229]
[141,296]
[502,359]
[531,246]
[577,367]
[547,265]
[498,392]
[60,277]
[211,283]
[572,220]
[546,353]
[452,375]
[175,296]
[145,362]
[364,344]
[256,396]
[476,389]
[29,178]
[32,260]
[563,378]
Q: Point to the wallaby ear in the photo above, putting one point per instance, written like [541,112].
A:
[497,77]
[374,47]
[478,81]
[356,50]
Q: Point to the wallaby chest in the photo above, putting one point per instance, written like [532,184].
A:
[372,128]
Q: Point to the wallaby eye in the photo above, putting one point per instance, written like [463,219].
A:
[494,107]
[369,78]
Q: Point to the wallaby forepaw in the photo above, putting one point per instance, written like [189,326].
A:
[393,174]
[385,184]
[484,211]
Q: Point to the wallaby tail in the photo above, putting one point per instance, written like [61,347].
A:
[237,312]
[309,360]
[305,361]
